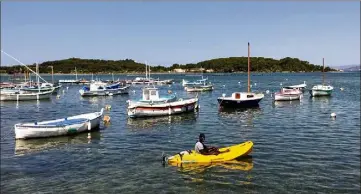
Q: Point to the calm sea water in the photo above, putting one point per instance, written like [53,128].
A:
[298,148]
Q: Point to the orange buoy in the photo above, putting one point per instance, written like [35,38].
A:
[106,119]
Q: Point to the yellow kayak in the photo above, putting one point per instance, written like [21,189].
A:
[191,156]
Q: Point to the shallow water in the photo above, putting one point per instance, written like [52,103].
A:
[298,148]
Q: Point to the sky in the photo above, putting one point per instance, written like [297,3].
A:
[164,33]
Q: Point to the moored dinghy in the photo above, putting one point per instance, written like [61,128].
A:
[300,87]
[99,88]
[59,127]
[287,95]
[242,99]
[153,105]
[322,89]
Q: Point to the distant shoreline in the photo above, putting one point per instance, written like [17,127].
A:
[183,73]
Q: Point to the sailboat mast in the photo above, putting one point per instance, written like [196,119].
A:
[76,74]
[146,70]
[323,71]
[113,77]
[249,89]
[37,71]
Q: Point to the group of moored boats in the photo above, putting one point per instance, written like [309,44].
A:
[152,104]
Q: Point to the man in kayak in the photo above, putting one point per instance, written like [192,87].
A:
[205,150]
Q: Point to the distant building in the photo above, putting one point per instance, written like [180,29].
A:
[179,70]
[209,70]
[197,70]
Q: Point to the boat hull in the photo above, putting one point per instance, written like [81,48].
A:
[287,97]
[239,103]
[89,122]
[199,89]
[320,92]
[162,109]
[25,96]
[107,92]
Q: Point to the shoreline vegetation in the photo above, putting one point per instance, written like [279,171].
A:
[129,66]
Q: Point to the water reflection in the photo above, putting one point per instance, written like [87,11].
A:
[243,115]
[36,145]
[281,104]
[240,164]
[150,122]
[213,172]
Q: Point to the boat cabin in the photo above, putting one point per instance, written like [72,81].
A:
[97,86]
[242,95]
[150,94]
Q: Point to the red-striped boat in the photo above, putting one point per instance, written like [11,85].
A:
[153,105]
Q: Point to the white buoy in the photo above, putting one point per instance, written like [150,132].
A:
[341,89]
[333,115]
[67,87]
[239,82]
[255,84]
[63,91]
[281,84]
[224,86]
[267,91]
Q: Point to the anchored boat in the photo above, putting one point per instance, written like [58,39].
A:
[242,99]
[202,87]
[153,105]
[58,127]
[287,95]
[99,88]
[322,89]
[18,95]
[300,87]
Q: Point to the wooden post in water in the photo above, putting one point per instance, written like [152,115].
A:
[249,88]
[323,71]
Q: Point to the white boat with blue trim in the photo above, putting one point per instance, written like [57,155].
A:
[153,105]
[59,127]
[99,88]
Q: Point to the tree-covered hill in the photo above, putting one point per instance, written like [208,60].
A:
[231,64]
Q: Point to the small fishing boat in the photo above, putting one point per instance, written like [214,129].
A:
[201,87]
[153,105]
[300,87]
[59,127]
[288,94]
[99,88]
[197,82]
[18,95]
[322,89]
[242,99]
[43,87]
[191,156]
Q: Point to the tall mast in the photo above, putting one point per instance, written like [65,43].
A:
[113,77]
[76,74]
[37,71]
[146,70]
[323,71]
[249,89]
